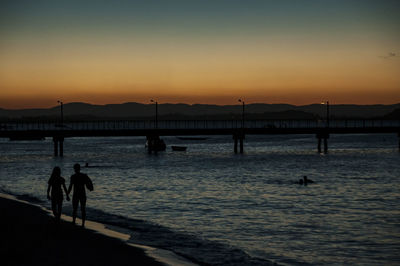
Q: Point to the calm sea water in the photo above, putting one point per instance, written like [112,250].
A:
[216,207]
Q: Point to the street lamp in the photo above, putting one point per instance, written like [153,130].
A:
[156,124]
[327,112]
[62,114]
[241,101]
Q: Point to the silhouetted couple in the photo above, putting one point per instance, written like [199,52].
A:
[78,182]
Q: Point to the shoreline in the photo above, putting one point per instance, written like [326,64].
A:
[24,224]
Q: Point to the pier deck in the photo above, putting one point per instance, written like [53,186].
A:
[39,130]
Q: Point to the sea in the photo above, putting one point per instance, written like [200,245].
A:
[215,207]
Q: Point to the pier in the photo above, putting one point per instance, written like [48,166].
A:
[237,129]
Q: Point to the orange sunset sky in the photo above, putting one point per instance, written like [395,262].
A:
[199,52]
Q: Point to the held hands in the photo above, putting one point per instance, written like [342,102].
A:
[68,199]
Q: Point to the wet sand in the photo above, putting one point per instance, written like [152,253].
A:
[29,236]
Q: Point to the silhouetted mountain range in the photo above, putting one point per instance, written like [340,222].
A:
[393,115]
[84,111]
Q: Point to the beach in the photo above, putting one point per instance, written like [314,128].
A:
[31,237]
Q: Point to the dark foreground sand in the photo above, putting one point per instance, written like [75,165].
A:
[29,236]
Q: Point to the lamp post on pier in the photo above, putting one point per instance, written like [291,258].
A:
[324,135]
[156,121]
[240,134]
[241,101]
[59,138]
[327,112]
[62,113]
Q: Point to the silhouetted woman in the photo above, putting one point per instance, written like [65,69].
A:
[57,197]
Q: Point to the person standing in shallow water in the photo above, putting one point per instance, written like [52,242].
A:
[55,183]
[78,182]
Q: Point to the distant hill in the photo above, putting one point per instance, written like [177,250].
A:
[77,111]
[395,115]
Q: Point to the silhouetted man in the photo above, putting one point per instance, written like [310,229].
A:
[79,181]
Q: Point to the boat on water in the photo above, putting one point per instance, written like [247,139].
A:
[192,138]
[156,144]
[178,148]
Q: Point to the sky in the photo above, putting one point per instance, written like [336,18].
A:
[204,51]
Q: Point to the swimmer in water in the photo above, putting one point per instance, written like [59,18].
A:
[306,180]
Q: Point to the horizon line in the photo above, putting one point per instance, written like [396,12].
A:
[192,104]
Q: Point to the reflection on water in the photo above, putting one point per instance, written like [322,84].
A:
[350,214]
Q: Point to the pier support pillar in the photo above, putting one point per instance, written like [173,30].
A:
[58,146]
[398,137]
[61,141]
[319,145]
[320,136]
[325,145]
[238,137]
[149,143]
[55,141]
[235,149]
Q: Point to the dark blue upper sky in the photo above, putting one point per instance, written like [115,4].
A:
[269,50]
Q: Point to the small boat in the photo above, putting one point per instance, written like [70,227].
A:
[179,148]
[191,138]
[156,144]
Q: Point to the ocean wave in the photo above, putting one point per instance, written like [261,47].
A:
[189,246]
[192,247]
